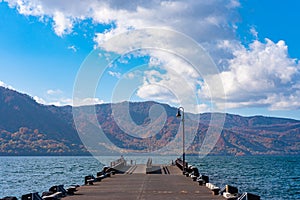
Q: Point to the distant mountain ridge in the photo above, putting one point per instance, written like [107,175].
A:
[21,117]
[29,128]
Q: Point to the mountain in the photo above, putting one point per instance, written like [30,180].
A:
[29,128]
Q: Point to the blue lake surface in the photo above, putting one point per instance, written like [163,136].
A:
[271,177]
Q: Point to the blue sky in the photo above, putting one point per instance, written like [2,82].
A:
[253,43]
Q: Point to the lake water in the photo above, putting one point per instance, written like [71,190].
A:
[271,177]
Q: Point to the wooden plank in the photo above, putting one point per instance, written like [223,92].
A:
[144,186]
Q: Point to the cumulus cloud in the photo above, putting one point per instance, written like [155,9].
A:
[166,82]
[209,19]
[62,24]
[262,74]
[203,21]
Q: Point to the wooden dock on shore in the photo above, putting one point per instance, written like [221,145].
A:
[139,185]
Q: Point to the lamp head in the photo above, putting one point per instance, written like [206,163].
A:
[178,113]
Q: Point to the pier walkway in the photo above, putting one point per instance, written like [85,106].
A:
[142,186]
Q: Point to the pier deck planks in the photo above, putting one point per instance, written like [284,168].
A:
[144,186]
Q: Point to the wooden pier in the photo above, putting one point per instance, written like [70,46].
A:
[137,184]
[142,182]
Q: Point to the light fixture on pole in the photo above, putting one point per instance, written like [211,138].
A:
[181,109]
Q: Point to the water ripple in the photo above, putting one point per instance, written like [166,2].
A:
[271,177]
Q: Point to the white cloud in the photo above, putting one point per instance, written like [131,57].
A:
[73,48]
[53,97]
[87,101]
[202,107]
[284,102]
[62,24]
[261,75]
[39,100]
[254,32]
[57,98]
[62,101]
[114,74]
[166,82]
[54,92]
[209,19]
[130,75]
[2,84]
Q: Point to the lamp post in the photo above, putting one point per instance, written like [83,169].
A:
[183,148]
